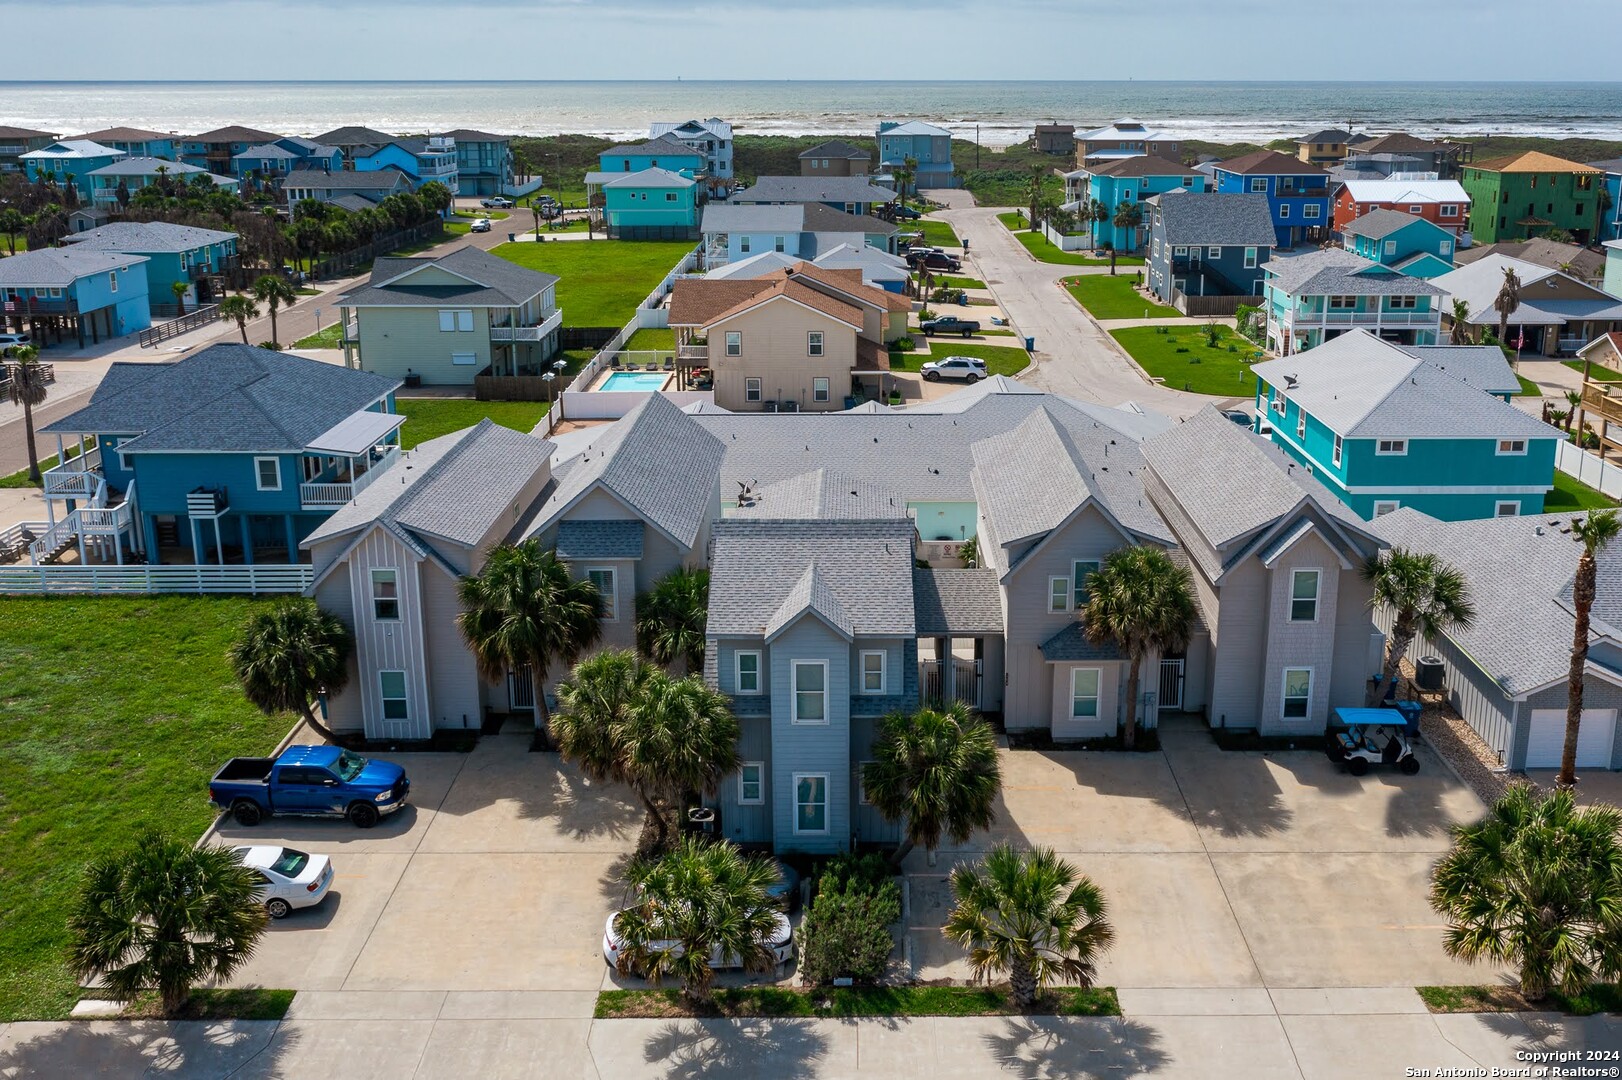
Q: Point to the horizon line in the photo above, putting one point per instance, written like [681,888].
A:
[704,81]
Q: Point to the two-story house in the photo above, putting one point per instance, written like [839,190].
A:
[851,194]
[69,161]
[1441,202]
[444,320]
[1383,428]
[1207,245]
[138,142]
[342,188]
[927,146]
[1318,295]
[269,163]
[353,141]
[734,231]
[485,166]
[422,160]
[1126,180]
[187,255]
[58,293]
[1297,192]
[650,204]
[712,138]
[836,157]
[1058,139]
[215,150]
[231,454]
[1409,245]
[1125,138]
[17,141]
[666,152]
[1326,147]
[1526,195]
[1610,219]
[111,186]
[1424,155]
[1558,314]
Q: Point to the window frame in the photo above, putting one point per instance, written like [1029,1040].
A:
[1258,185]
[1390,447]
[1213,251]
[374,579]
[821,390]
[1338,451]
[1512,451]
[1285,698]
[1316,599]
[813,343]
[1283,211]
[732,342]
[737,672]
[1058,589]
[1078,581]
[759,782]
[826,803]
[795,692]
[1301,424]
[754,389]
[610,608]
[1500,504]
[861,672]
[384,697]
[1391,506]
[259,474]
[1311,212]
[861,783]
[1096,696]
[1251,257]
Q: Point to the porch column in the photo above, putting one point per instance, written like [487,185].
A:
[79,535]
[247,541]
[948,671]
[292,539]
[118,548]
[196,540]
[219,542]
[149,528]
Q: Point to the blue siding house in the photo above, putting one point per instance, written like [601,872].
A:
[666,152]
[1316,296]
[1610,226]
[1297,192]
[735,232]
[185,254]
[69,160]
[134,173]
[138,142]
[233,454]
[57,293]
[273,161]
[927,145]
[215,150]
[1126,180]
[1207,245]
[651,204]
[1384,428]
[421,160]
[1407,244]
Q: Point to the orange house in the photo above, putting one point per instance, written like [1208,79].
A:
[1441,202]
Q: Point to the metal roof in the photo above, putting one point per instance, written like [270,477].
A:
[356,434]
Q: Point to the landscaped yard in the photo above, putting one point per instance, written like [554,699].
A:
[1180,356]
[1595,371]
[778,1001]
[115,714]
[936,233]
[1571,493]
[1000,359]
[328,337]
[1108,296]
[1529,388]
[429,418]
[601,281]
[651,338]
[1042,248]
[949,282]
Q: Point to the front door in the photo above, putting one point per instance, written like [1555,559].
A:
[521,689]
[1171,682]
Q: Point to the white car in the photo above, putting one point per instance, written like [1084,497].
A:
[781,944]
[13,341]
[291,879]
[480,225]
[499,202]
[968,368]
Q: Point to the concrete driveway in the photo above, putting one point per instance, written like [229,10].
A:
[1229,870]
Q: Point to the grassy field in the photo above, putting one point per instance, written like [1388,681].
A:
[429,418]
[1595,371]
[115,714]
[1528,387]
[651,339]
[936,233]
[328,337]
[602,281]
[947,281]
[1181,357]
[1107,297]
[1598,998]
[1000,359]
[776,1001]
[1042,248]
[1571,493]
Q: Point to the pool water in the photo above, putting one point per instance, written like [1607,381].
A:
[646,381]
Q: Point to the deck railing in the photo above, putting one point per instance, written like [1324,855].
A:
[114,580]
[320,496]
[152,335]
[75,478]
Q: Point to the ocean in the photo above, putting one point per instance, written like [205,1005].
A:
[1000,113]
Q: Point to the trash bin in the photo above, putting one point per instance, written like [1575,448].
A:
[1030,344]
[962,299]
[511,237]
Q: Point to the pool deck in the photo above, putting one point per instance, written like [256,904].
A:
[601,382]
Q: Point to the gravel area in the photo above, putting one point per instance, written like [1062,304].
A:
[1459,745]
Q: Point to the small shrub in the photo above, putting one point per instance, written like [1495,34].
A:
[273,346]
[1192,359]
[904,344]
[846,933]
[1233,348]
[1182,348]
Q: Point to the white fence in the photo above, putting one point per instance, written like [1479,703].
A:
[650,313]
[613,404]
[115,580]
[1606,476]
[1067,242]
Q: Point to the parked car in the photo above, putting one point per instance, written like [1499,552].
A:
[291,878]
[904,213]
[786,889]
[970,369]
[935,260]
[781,944]
[497,202]
[950,324]
[13,341]
[479,225]
[310,781]
[1238,416]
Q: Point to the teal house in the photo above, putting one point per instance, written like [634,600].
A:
[134,173]
[1126,180]
[138,142]
[58,293]
[69,159]
[232,454]
[651,204]
[1405,243]
[1386,427]
[197,258]
[1319,295]
[666,152]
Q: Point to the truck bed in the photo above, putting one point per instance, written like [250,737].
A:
[246,770]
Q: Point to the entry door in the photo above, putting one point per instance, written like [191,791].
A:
[521,689]
[1171,683]
[1547,738]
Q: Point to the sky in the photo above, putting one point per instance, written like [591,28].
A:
[806,39]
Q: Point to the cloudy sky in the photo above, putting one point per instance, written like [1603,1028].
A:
[808,39]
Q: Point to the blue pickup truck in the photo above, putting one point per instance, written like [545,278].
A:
[310,781]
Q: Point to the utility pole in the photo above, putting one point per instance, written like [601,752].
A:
[977,146]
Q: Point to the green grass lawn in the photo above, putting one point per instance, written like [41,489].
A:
[19,479]
[936,233]
[1197,368]
[852,1001]
[1107,297]
[1528,387]
[950,282]
[429,418]
[1595,371]
[1571,493]
[1598,998]
[1000,359]
[474,215]
[1043,249]
[116,712]
[651,339]
[1013,220]
[602,281]
[328,337]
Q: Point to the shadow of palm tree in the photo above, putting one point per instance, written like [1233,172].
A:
[1074,1048]
[722,1049]
[1233,793]
[124,1048]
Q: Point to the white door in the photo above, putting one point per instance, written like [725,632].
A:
[1548,738]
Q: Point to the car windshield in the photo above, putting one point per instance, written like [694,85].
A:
[349,766]
[290,863]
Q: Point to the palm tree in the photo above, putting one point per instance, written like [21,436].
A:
[524,608]
[1424,594]
[164,916]
[905,174]
[1032,915]
[1594,532]
[1096,213]
[12,222]
[700,899]
[26,387]
[1460,333]
[1033,189]
[938,772]
[1507,300]
[670,618]
[621,719]
[179,289]
[275,291]
[289,655]
[1142,602]
[1536,883]
[241,308]
[1128,216]
[1574,398]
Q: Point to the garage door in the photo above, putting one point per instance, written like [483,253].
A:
[1548,738]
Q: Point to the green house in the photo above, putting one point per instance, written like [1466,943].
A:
[1516,198]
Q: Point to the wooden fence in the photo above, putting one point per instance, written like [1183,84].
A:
[1211,307]
[52,578]
[152,335]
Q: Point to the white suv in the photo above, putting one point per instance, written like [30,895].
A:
[13,341]
[968,368]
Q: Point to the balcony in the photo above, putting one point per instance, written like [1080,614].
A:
[528,333]
[1301,193]
[1364,318]
[35,305]
[75,478]
[330,496]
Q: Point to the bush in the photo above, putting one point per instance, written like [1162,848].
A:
[273,346]
[846,933]
[904,344]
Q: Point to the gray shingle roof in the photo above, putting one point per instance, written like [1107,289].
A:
[1030,478]
[141,237]
[664,144]
[1071,644]
[863,577]
[786,218]
[822,494]
[1224,219]
[60,267]
[1379,224]
[1337,272]
[1482,366]
[149,166]
[372,180]
[795,189]
[836,148]
[599,540]
[1477,284]
[811,593]
[354,136]
[225,398]
[956,601]
[492,282]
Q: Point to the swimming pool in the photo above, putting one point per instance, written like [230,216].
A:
[646,381]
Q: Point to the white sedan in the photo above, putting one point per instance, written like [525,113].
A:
[781,944]
[968,368]
[289,878]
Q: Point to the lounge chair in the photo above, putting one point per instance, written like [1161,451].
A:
[615,362]
[669,364]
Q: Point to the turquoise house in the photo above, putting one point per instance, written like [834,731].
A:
[1385,427]
[666,152]
[233,454]
[651,204]
[929,147]
[138,142]
[55,293]
[1318,296]
[420,159]
[1405,243]
[135,173]
[69,159]
[1126,180]
[197,258]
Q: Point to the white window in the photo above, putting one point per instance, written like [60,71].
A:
[1336,457]
[743,244]
[1297,692]
[1304,595]
[1258,183]
[810,705]
[1511,446]
[746,673]
[873,671]
[1280,403]
[813,343]
[1180,250]
[1081,572]
[751,390]
[1450,210]
[117,445]
[1416,210]
[734,341]
[1311,211]
[1250,258]
[1084,693]
[1301,424]
[1213,252]
[1284,211]
[1382,507]
[605,578]
[752,783]
[1445,247]
[1058,594]
[267,473]
[819,389]
[112,281]
[455,320]
[1508,508]
[385,594]
[1390,247]
[1391,446]
[391,687]
[464,359]
[778,244]
[810,803]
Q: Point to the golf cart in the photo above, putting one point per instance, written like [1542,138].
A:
[1358,738]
